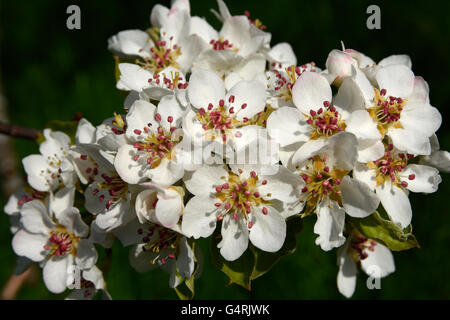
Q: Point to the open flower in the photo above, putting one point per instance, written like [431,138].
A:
[152,145]
[392,176]
[55,235]
[251,206]
[375,260]
[219,115]
[330,192]
[156,246]
[305,129]
[52,169]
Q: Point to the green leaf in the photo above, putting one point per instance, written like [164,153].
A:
[264,261]
[254,262]
[385,232]
[68,127]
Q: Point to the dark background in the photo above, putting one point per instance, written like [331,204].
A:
[49,72]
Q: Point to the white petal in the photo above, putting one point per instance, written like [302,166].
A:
[36,166]
[56,272]
[398,80]
[205,179]
[133,77]
[410,140]
[362,125]
[365,174]
[421,117]
[282,53]
[205,87]
[426,179]
[308,149]
[357,198]
[339,64]
[329,225]
[169,208]
[236,30]
[200,217]
[128,169]
[35,218]
[130,42]
[288,125]
[310,91]
[30,245]
[396,203]
[349,98]
[250,93]
[85,132]
[139,116]
[234,238]
[268,231]
[169,107]
[402,59]
[203,29]
[346,278]
[370,150]
[86,254]
[379,263]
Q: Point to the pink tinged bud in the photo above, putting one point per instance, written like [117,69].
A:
[138,132]
[411,176]
[265,211]
[404,184]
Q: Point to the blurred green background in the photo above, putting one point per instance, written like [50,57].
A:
[50,72]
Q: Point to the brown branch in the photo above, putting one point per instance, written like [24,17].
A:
[18,132]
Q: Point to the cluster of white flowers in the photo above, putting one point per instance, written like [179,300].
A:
[221,129]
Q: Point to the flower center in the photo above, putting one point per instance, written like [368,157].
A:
[119,125]
[220,44]
[164,240]
[325,122]
[61,242]
[115,186]
[217,121]
[320,181]
[163,54]
[358,245]
[175,81]
[155,146]
[240,197]
[386,110]
[283,85]
[390,166]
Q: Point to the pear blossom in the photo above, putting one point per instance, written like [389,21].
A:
[222,116]
[374,258]
[152,145]
[305,129]
[52,168]
[329,190]
[392,177]
[55,236]
[251,207]
[154,245]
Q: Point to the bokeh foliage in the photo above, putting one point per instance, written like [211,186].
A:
[50,72]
